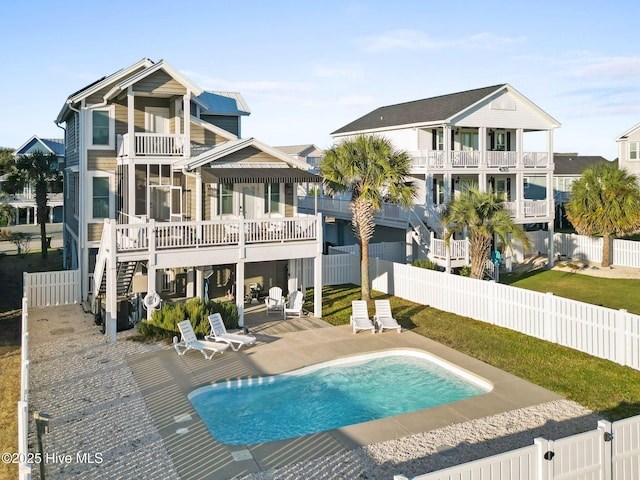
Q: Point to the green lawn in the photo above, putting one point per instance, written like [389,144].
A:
[597,384]
[614,293]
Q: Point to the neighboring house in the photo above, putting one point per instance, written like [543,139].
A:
[473,137]
[310,154]
[629,150]
[164,197]
[568,168]
[25,202]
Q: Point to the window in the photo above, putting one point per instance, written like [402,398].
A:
[634,151]
[102,127]
[100,196]
[225,202]
[76,194]
[271,198]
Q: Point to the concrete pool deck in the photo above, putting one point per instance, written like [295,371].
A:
[165,380]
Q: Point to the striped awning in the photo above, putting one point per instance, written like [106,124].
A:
[258,175]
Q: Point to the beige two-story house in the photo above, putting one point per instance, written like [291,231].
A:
[164,196]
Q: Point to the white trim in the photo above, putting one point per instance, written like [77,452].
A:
[112,128]
[111,178]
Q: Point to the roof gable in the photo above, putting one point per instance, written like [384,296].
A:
[45,145]
[161,65]
[624,135]
[226,149]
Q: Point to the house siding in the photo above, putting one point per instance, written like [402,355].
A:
[101,160]
[160,83]
[226,122]
[71,142]
[252,155]
[202,136]
[94,232]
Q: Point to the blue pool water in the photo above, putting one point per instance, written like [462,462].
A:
[330,395]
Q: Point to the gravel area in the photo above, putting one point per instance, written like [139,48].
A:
[84,383]
[445,447]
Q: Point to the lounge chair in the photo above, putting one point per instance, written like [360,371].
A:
[384,318]
[274,301]
[219,334]
[294,306]
[189,341]
[359,319]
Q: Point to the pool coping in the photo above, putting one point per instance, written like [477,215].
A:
[165,380]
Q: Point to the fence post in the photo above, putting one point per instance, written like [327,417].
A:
[621,338]
[544,455]
[606,444]
[550,334]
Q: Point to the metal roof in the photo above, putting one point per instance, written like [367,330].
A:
[224,103]
[258,175]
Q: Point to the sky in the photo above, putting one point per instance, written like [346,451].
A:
[307,68]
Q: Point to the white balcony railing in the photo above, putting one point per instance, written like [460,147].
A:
[152,144]
[169,235]
[437,159]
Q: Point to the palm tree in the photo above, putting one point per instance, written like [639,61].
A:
[371,171]
[605,201]
[483,217]
[41,171]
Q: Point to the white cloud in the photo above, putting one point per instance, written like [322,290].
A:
[418,40]
[214,83]
[354,101]
[616,68]
[337,71]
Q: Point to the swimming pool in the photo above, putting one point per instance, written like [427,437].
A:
[331,395]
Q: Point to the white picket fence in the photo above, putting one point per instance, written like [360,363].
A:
[43,289]
[391,251]
[624,253]
[612,451]
[602,332]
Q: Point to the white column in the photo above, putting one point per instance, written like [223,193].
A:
[131,131]
[151,264]
[519,145]
[482,146]
[200,283]
[317,286]
[550,251]
[317,270]
[186,111]
[240,291]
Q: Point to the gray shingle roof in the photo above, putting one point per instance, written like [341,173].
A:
[419,111]
[572,164]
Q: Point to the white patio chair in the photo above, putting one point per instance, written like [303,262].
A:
[359,319]
[294,305]
[274,301]
[219,334]
[384,318]
[189,341]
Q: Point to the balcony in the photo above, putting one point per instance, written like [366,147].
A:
[428,160]
[151,145]
[157,236]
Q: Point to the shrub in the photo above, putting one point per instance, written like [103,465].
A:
[465,271]
[425,263]
[164,322]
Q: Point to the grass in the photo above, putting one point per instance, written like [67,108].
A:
[614,293]
[600,385]
[11,268]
